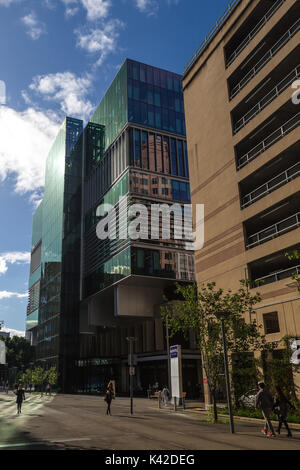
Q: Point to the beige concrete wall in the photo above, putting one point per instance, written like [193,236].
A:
[214,179]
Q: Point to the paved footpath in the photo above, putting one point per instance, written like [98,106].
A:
[79,422]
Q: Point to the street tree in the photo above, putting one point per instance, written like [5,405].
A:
[51,376]
[38,377]
[196,311]
[19,351]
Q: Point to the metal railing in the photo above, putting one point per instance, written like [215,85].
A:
[269,141]
[267,99]
[254,32]
[265,59]
[275,230]
[232,5]
[276,276]
[271,185]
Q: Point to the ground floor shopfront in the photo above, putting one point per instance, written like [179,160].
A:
[92,375]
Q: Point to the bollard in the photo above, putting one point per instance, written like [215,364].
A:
[175,408]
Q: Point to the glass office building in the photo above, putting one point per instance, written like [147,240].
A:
[55,258]
[133,151]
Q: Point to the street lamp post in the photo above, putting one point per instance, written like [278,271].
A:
[221,316]
[169,358]
[131,340]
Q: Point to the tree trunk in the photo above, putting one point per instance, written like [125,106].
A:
[215,406]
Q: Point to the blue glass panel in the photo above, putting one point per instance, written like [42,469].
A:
[180,158]
[174,169]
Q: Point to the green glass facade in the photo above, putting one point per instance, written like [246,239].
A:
[134,146]
[113,108]
[53,227]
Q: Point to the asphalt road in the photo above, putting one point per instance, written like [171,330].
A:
[67,422]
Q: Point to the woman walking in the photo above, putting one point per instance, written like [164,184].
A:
[281,409]
[108,398]
[20,397]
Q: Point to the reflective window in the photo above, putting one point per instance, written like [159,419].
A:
[152,95]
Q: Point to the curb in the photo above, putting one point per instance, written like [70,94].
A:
[236,418]
[241,418]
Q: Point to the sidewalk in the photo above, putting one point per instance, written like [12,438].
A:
[199,408]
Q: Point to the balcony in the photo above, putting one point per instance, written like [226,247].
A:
[263,60]
[275,230]
[274,221]
[274,183]
[276,276]
[271,137]
[259,24]
[267,99]
[273,268]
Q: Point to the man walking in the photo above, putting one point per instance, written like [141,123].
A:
[165,393]
[264,400]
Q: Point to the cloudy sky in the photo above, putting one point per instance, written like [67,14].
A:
[57,58]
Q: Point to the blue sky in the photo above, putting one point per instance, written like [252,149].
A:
[57,58]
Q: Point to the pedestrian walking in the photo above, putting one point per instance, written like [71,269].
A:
[20,397]
[264,401]
[108,398]
[165,393]
[280,407]
[48,389]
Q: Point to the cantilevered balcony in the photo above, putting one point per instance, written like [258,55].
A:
[280,171]
[276,276]
[267,99]
[260,58]
[255,22]
[273,222]
[275,230]
[274,268]
[276,128]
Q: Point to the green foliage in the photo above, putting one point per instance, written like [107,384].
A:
[197,312]
[19,352]
[293,416]
[278,370]
[295,255]
[51,376]
[25,377]
[38,376]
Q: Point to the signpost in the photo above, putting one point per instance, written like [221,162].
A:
[176,373]
[131,361]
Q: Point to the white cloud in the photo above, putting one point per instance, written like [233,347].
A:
[96,9]
[147,6]
[68,90]
[13,332]
[4,294]
[101,39]
[25,140]
[14,257]
[35,28]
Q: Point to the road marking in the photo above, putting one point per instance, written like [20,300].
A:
[52,441]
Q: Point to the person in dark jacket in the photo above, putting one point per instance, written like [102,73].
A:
[280,407]
[264,400]
[108,398]
[20,397]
